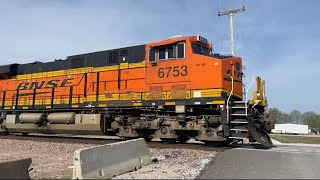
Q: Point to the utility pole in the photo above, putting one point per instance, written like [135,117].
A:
[230,13]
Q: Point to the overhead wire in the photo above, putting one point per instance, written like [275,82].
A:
[244,24]
[224,35]
[218,9]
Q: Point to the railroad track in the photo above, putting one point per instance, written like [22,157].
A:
[99,140]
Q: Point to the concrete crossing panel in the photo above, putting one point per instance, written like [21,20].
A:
[17,169]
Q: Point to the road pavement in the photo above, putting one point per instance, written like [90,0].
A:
[281,162]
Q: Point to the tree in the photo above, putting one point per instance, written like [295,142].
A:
[274,114]
[284,118]
[308,117]
[295,116]
[311,119]
[278,116]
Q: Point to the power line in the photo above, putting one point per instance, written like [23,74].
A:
[224,35]
[218,9]
[218,5]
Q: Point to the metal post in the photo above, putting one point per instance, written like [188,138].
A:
[231,35]
[34,98]
[4,99]
[230,13]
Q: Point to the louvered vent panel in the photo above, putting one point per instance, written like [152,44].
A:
[178,91]
[155,93]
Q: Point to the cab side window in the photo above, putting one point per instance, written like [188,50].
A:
[167,52]
[171,54]
[152,55]
[162,53]
[181,49]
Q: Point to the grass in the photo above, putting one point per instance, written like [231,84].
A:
[296,139]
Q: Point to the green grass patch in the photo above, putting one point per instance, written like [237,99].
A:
[296,139]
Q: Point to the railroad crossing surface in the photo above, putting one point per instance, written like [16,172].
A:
[280,162]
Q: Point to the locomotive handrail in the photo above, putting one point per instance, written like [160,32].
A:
[246,100]
[229,99]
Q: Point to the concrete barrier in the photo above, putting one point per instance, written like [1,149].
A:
[17,169]
[107,161]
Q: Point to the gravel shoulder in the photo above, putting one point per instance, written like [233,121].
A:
[54,160]
[50,160]
[172,164]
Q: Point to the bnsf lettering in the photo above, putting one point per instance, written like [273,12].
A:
[235,73]
[36,85]
[52,83]
[22,86]
[43,84]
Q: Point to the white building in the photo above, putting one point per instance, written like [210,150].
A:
[291,129]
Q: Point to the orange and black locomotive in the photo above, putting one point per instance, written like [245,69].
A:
[174,89]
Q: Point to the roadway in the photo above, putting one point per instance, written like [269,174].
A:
[280,162]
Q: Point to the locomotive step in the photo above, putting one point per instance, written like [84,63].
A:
[111,130]
[244,130]
[238,138]
[239,107]
[239,102]
[238,115]
[239,122]
[241,134]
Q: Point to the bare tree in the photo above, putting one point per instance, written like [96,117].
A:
[274,114]
[295,116]
[311,119]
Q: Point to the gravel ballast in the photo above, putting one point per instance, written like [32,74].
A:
[54,160]
[50,160]
[172,164]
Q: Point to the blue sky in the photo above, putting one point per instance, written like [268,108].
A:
[277,40]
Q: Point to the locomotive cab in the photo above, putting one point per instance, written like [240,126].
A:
[189,61]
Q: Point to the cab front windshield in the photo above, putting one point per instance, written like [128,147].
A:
[200,49]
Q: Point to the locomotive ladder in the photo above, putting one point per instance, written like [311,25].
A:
[238,121]
[238,117]
[244,125]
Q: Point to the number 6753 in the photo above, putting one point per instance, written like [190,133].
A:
[174,71]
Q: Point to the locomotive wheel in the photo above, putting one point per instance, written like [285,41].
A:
[148,139]
[216,143]
[5,133]
[183,139]
[168,141]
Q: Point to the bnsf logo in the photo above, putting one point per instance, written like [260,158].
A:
[44,84]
